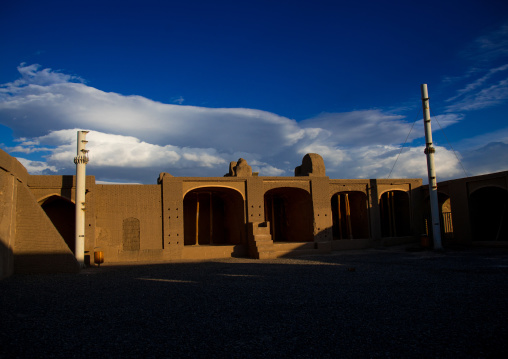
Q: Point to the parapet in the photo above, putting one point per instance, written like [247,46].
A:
[12,165]
[312,165]
[239,169]
[161,176]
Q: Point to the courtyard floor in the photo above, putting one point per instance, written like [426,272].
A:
[376,303]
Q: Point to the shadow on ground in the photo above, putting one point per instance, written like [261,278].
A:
[371,303]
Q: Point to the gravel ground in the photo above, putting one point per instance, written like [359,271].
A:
[355,304]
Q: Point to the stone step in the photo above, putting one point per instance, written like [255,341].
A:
[263,237]
[265,255]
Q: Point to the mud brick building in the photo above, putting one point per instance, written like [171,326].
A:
[240,214]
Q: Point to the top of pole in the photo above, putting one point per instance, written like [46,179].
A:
[425,93]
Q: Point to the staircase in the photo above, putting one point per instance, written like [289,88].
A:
[260,240]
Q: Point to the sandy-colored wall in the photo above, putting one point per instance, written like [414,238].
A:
[12,174]
[139,222]
[38,248]
[8,185]
[12,165]
[29,243]
[45,186]
[116,203]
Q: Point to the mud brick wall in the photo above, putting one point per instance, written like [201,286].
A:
[117,208]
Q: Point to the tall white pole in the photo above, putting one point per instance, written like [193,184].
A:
[429,151]
[80,160]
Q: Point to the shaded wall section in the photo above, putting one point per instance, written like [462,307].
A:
[61,212]
[489,214]
[478,208]
[395,214]
[290,214]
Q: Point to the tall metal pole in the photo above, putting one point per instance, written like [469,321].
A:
[80,160]
[429,151]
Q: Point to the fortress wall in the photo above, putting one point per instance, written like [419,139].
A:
[124,214]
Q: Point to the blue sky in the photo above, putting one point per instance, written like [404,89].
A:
[187,87]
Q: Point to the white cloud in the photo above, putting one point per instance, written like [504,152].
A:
[478,82]
[133,138]
[33,109]
[107,150]
[378,161]
[37,167]
[30,74]
[358,127]
[267,170]
[487,81]
[442,121]
[490,95]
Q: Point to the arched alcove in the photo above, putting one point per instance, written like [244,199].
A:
[350,215]
[445,216]
[289,211]
[488,208]
[214,216]
[61,212]
[395,214]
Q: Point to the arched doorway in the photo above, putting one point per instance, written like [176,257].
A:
[61,212]
[489,214]
[350,215]
[395,214]
[213,216]
[289,211]
[445,216]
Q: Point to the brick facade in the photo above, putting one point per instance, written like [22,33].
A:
[213,217]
